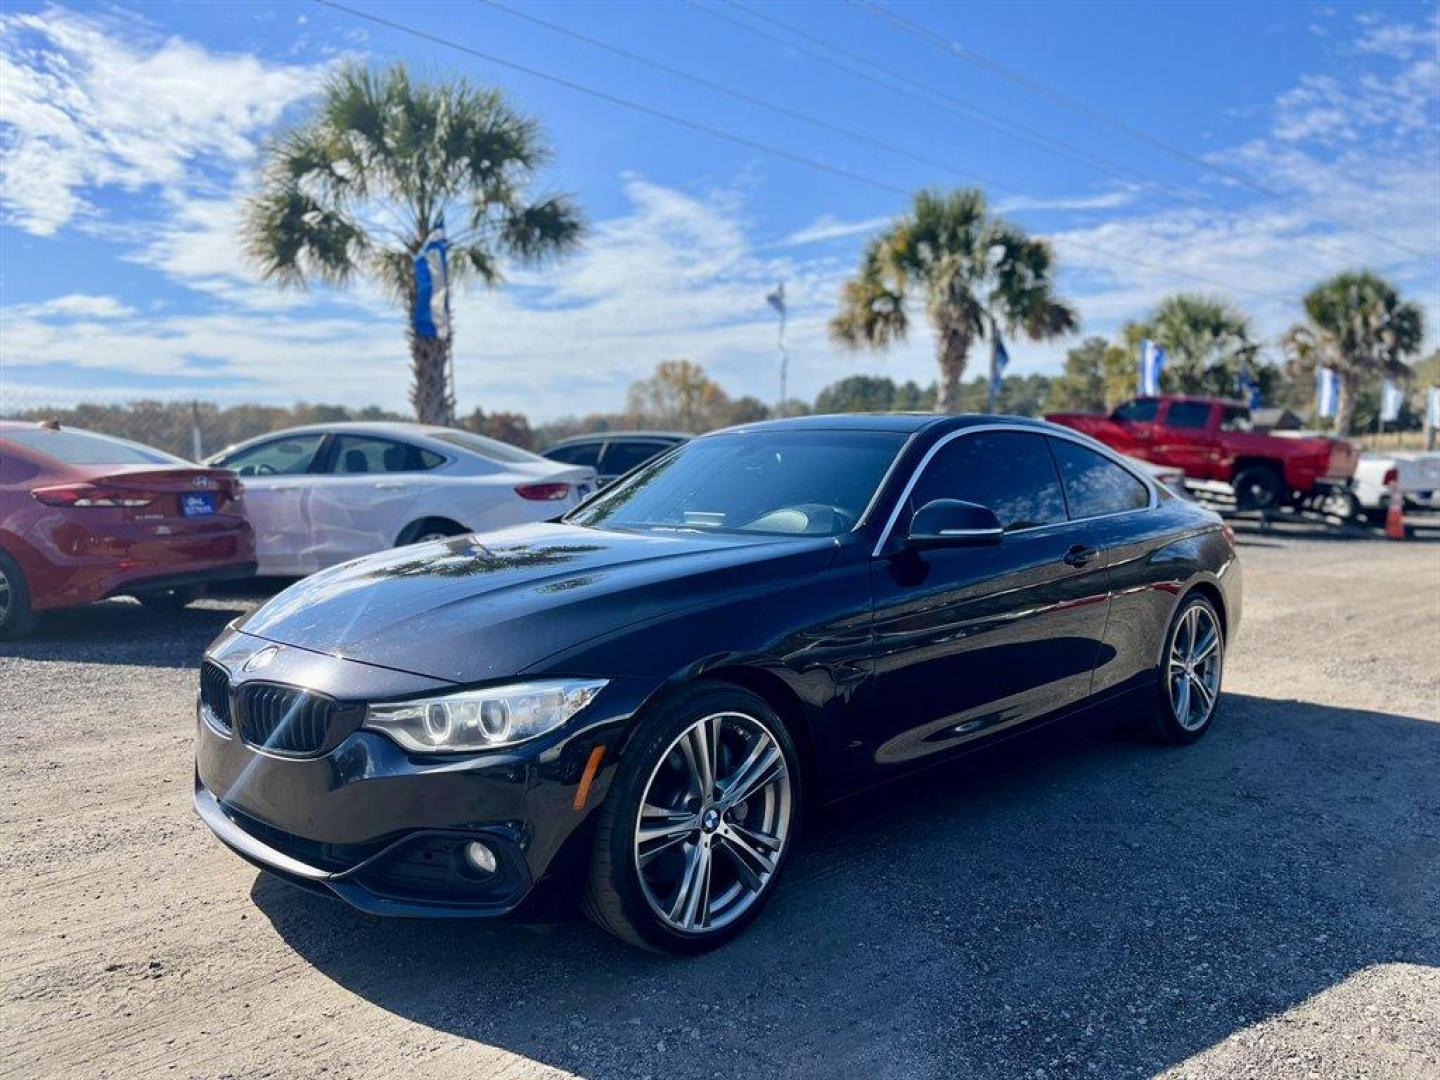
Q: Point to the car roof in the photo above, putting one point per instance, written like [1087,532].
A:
[602,436]
[362,427]
[905,422]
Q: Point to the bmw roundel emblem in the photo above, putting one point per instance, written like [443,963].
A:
[261,659]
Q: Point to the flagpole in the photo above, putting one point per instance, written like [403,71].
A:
[776,300]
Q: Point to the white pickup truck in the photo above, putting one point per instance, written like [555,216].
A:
[1415,474]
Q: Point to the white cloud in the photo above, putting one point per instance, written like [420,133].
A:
[76,306]
[1107,201]
[88,106]
[829,227]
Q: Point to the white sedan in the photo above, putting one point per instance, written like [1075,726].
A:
[322,494]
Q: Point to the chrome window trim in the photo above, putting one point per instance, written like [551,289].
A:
[1059,433]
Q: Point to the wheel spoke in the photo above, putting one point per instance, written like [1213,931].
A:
[1208,645]
[698,747]
[761,767]
[661,829]
[752,859]
[692,899]
[1181,697]
[1206,697]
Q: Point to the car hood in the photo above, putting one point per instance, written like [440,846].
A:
[472,608]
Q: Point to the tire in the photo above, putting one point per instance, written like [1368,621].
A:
[1177,665]
[632,903]
[16,616]
[1258,487]
[418,532]
[170,601]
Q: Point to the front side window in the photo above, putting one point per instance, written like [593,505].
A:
[1011,472]
[1095,485]
[803,483]
[366,454]
[277,457]
[1188,414]
[1139,411]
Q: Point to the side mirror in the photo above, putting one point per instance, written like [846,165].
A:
[954,523]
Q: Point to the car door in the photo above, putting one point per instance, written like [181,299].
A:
[972,641]
[276,473]
[1119,510]
[363,495]
[1185,438]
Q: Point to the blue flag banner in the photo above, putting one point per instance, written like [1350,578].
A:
[1432,407]
[776,299]
[1152,363]
[1327,391]
[432,283]
[1391,399]
[1249,389]
[999,361]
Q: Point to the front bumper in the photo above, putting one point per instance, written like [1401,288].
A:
[384,829]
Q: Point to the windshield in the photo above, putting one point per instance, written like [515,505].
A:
[802,483]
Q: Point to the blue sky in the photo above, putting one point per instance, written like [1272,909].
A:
[1239,148]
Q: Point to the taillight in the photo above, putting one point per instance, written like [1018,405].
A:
[90,495]
[543,492]
[1392,477]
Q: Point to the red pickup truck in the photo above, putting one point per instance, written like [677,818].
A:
[1214,442]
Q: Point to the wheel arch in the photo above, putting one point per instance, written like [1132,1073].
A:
[1211,592]
[415,528]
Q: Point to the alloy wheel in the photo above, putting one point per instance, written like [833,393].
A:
[1194,667]
[713,823]
[4,595]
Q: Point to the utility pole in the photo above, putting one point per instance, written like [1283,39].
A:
[776,300]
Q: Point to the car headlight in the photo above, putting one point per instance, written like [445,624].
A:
[482,719]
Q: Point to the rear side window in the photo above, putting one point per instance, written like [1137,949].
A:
[367,454]
[1011,472]
[277,457]
[88,448]
[579,454]
[622,456]
[1141,410]
[1095,485]
[1235,418]
[1188,414]
[483,445]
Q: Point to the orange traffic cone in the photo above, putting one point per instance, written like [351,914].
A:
[1395,517]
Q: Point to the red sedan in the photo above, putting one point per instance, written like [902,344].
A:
[85,516]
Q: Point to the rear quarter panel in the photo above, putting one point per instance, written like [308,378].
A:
[1155,559]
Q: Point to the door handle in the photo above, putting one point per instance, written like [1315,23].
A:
[1080,555]
[285,487]
[389,485]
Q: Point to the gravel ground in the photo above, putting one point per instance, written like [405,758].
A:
[1263,904]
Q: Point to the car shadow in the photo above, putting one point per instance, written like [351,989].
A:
[123,631]
[1082,902]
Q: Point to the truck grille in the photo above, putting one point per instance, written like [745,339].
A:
[283,719]
[215,692]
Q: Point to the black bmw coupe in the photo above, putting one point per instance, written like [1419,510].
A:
[642,700]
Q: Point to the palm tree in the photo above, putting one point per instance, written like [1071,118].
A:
[356,190]
[977,273]
[1207,339]
[1358,325]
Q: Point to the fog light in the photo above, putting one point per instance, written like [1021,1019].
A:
[480,857]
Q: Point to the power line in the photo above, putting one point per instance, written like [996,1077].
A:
[928,95]
[964,108]
[739,95]
[740,140]
[970,56]
[613,99]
